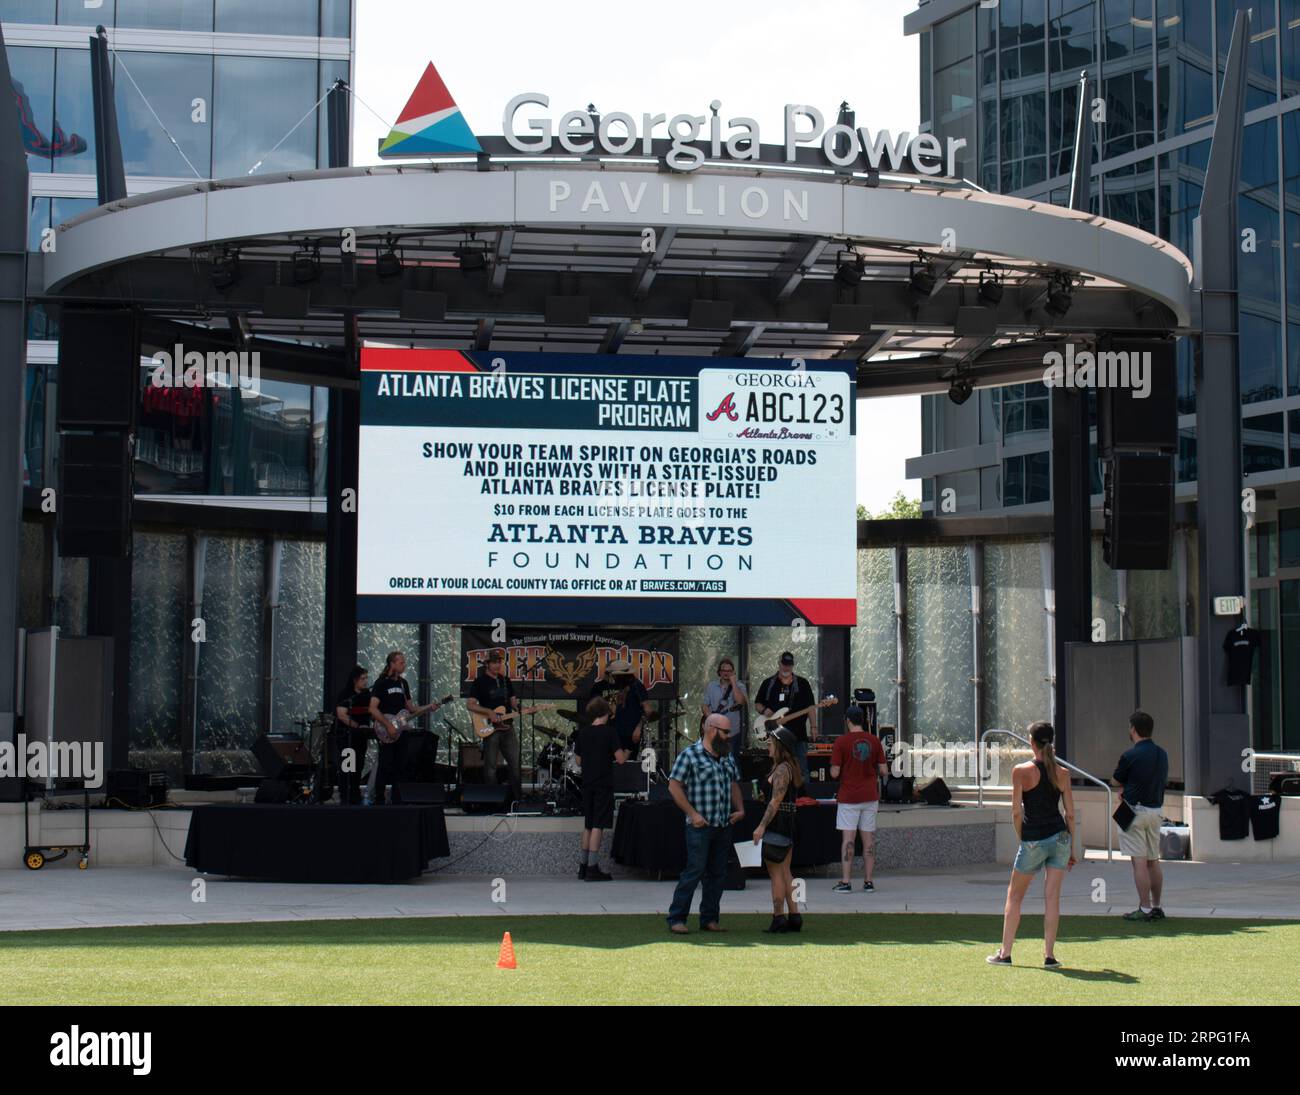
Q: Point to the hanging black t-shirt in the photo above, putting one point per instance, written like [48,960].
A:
[1265,816]
[1241,644]
[356,704]
[596,745]
[393,692]
[798,694]
[1234,813]
[492,692]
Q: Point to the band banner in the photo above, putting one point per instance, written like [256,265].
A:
[563,664]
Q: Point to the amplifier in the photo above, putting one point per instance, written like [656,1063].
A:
[136,788]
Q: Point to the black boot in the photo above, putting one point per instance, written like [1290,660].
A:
[777,926]
[582,872]
[793,922]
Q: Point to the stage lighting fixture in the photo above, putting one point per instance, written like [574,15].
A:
[960,389]
[990,291]
[472,255]
[1060,296]
[387,264]
[850,267]
[922,280]
[306,265]
[225,268]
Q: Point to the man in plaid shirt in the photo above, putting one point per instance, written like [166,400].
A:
[705,784]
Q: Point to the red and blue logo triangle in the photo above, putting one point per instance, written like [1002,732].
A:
[431,123]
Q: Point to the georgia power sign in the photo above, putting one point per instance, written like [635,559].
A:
[431,124]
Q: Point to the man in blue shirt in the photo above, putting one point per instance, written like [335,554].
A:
[705,784]
[1142,773]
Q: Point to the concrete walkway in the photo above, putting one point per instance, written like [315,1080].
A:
[60,896]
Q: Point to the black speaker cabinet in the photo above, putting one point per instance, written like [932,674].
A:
[94,505]
[484,798]
[1126,421]
[426,793]
[1139,510]
[99,369]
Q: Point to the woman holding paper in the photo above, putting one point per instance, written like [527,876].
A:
[775,832]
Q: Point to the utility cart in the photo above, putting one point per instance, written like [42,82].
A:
[35,856]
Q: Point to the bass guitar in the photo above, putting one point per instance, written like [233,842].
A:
[403,719]
[765,724]
[487,725]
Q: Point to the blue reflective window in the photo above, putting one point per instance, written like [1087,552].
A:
[257,101]
[74,112]
[1261,61]
[1261,444]
[297,17]
[32,73]
[38,219]
[27,11]
[165,14]
[336,18]
[1260,357]
[172,85]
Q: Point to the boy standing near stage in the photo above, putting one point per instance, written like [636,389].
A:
[598,750]
[858,762]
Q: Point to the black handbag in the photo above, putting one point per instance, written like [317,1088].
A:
[1123,815]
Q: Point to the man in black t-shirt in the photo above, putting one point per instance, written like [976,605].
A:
[351,734]
[598,750]
[492,689]
[786,690]
[390,695]
[618,686]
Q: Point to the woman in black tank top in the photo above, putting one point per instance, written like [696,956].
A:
[1040,789]
[776,831]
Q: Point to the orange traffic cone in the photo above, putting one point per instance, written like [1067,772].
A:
[506,956]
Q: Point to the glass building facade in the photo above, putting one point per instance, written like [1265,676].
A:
[1005,77]
[208,89]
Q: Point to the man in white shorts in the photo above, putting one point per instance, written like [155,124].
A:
[1143,772]
[858,762]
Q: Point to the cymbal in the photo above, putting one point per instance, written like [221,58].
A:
[571,716]
[547,731]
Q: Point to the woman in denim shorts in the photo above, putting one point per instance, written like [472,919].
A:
[1038,790]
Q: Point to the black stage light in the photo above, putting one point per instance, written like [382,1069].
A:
[306,265]
[472,255]
[922,280]
[990,291]
[961,389]
[387,264]
[849,268]
[1060,296]
[225,268]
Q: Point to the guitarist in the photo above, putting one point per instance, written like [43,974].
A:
[785,689]
[389,695]
[492,688]
[724,697]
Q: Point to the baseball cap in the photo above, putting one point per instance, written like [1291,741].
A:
[787,658]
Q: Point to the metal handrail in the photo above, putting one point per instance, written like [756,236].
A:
[1110,795]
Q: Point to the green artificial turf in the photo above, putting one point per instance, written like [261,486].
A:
[881,958]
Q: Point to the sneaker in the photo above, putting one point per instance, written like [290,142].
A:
[869,887]
[841,887]
[998,959]
[1051,963]
[1138,914]
[1157,913]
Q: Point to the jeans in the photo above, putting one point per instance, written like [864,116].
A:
[801,755]
[504,742]
[707,854]
[389,767]
[349,783]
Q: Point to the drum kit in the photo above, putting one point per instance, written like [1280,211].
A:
[558,768]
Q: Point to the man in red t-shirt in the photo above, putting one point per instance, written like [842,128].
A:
[858,762]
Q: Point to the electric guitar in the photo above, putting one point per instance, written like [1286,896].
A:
[487,725]
[720,711]
[765,724]
[402,721]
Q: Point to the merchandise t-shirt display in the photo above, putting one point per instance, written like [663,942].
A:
[1240,644]
[1265,816]
[596,746]
[492,692]
[1234,813]
[858,755]
[393,692]
[356,704]
[795,694]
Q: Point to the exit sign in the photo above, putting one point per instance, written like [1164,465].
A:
[1229,606]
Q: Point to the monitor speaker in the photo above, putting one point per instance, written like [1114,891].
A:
[1139,510]
[433,794]
[1127,419]
[94,511]
[99,369]
[484,798]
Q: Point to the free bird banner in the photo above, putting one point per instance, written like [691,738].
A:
[564,489]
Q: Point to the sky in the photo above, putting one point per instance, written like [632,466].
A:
[668,57]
